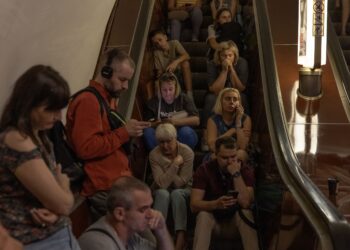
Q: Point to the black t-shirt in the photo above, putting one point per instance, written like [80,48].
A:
[181,103]
[229,31]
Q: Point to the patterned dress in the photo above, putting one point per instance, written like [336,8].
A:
[16,201]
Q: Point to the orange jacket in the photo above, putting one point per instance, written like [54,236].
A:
[94,142]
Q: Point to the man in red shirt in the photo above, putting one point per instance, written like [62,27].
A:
[90,133]
[222,193]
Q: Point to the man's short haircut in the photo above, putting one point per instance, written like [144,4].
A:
[166,131]
[227,142]
[117,55]
[122,192]
[156,32]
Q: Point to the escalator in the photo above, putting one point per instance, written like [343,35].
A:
[310,140]
[292,127]
[344,41]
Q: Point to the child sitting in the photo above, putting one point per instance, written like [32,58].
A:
[170,56]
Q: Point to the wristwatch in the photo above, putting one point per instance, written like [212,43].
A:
[236,174]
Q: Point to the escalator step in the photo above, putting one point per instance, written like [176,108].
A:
[196,48]
[344,42]
[198,64]
[199,95]
[200,80]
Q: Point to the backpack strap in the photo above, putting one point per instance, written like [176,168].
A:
[101,101]
[115,119]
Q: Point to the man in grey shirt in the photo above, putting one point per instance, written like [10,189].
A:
[129,213]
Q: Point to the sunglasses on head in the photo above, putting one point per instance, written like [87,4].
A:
[168,76]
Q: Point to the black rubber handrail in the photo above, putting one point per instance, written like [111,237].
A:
[332,229]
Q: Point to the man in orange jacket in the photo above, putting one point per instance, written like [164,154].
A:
[90,133]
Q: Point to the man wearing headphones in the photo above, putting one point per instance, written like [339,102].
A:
[90,134]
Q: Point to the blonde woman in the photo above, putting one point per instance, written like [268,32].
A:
[229,119]
[170,105]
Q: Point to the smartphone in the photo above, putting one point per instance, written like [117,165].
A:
[233,193]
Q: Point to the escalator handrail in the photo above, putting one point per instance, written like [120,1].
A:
[339,66]
[137,49]
[330,226]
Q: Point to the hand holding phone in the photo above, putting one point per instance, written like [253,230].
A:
[233,193]
[154,122]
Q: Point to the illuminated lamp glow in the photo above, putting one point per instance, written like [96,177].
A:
[312,23]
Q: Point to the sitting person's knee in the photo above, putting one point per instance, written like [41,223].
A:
[203,217]
[162,194]
[187,136]
[185,65]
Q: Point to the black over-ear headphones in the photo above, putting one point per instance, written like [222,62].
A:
[107,70]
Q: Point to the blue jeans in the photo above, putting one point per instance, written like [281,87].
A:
[196,16]
[185,135]
[63,239]
[178,199]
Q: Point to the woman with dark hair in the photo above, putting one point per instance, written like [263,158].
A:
[35,197]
